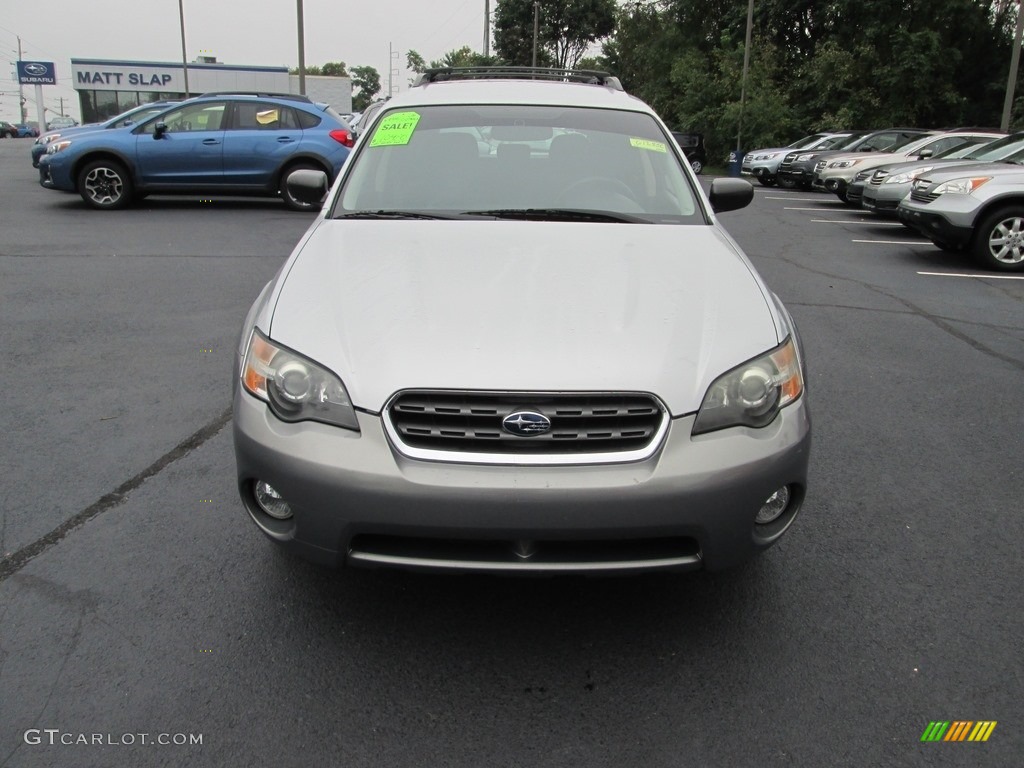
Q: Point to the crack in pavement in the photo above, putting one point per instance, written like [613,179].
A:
[935,320]
[991,326]
[19,559]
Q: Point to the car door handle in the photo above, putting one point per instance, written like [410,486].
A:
[285,139]
[211,141]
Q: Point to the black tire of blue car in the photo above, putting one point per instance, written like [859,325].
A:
[105,185]
[998,242]
[291,202]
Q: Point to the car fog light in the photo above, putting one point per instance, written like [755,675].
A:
[270,501]
[774,506]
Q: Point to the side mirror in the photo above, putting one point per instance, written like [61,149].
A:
[307,186]
[730,194]
[924,154]
[159,130]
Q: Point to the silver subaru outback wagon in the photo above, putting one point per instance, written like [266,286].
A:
[517,339]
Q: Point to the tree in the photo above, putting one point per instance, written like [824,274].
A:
[330,69]
[566,29]
[367,81]
[414,61]
[464,57]
[334,69]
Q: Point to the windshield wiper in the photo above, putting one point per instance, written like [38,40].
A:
[559,214]
[391,215]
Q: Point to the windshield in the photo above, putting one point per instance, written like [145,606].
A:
[834,142]
[807,141]
[472,161]
[1000,149]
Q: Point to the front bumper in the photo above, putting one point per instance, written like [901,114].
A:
[884,199]
[937,226]
[357,500]
[55,173]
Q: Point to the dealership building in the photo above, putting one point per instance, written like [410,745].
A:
[106,88]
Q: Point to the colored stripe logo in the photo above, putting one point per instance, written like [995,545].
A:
[958,730]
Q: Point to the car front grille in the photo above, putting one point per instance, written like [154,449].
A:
[878,177]
[448,425]
[787,161]
[918,194]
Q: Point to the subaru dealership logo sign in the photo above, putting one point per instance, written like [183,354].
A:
[36,73]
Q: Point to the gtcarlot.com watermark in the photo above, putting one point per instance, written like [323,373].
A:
[55,736]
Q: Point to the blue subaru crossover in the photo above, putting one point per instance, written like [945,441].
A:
[216,144]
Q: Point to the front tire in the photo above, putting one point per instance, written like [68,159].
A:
[105,185]
[293,203]
[766,181]
[999,240]
[697,166]
[785,183]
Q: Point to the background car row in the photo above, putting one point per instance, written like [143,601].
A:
[963,189]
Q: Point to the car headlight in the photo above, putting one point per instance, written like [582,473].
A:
[961,186]
[843,163]
[905,178]
[296,388]
[58,146]
[752,394]
[804,158]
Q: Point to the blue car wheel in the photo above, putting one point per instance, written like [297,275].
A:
[105,184]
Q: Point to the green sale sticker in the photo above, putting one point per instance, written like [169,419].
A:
[395,129]
[654,146]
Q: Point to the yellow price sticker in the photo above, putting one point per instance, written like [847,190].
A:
[395,129]
[653,146]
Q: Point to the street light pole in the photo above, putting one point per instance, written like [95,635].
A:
[302,49]
[746,67]
[1011,82]
[536,24]
[184,54]
[487,28]
[21,91]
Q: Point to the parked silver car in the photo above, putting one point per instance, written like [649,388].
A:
[520,360]
[887,185]
[978,208]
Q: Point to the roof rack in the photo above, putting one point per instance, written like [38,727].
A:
[588,76]
[262,94]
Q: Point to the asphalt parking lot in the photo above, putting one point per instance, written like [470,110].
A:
[136,597]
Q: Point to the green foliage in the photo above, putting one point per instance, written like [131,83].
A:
[566,28]
[367,80]
[330,69]
[464,57]
[814,64]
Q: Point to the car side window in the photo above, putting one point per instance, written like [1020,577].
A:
[205,116]
[880,141]
[259,116]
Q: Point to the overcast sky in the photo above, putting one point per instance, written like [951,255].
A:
[253,32]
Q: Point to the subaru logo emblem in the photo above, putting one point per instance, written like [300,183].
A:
[526,423]
[36,70]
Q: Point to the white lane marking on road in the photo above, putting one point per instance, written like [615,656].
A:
[794,208]
[872,223]
[896,242]
[982,277]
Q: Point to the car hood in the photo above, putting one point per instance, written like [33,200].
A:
[522,306]
[753,152]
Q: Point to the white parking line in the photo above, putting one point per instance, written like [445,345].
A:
[896,242]
[872,223]
[793,208]
[982,277]
[805,199]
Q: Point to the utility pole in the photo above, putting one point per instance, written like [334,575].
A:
[184,54]
[536,25]
[392,69]
[1011,82]
[62,106]
[21,91]
[302,50]
[487,28]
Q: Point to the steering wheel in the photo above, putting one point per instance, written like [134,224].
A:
[606,183]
